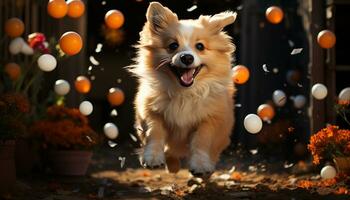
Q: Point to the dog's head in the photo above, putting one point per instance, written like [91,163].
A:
[186,50]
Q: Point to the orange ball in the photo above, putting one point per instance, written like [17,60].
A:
[240,74]
[76,8]
[14,27]
[266,112]
[115,96]
[57,8]
[274,14]
[71,43]
[82,84]
[13,70]
[326,39]
[114,19]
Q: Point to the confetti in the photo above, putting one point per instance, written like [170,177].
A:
[253,151]
[238,105]
[93,78]
[133,137]
[90,68]
[192,8]
[286,165]
[114,113]
[111,143]
[240,7]
[119,80]
[296,51]
[122,161]
[275,70]
[265,68]
[103,2]
[98,48]
[291,43]
[93,60]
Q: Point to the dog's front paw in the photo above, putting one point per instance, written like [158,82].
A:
[200,164]
[153,156]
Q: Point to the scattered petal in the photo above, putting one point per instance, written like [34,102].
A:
[275,70]
[265,68]
[291,43]
[111,143]
[93,60]
[296,51]
[98,48]
[192,8]
[114,113]
[253,151]
[133,137]
[122,161]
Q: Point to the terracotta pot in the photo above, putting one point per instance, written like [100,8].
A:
[70,162]
[7,165]
[25,156]
[342,164]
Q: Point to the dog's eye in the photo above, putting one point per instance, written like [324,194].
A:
[173,46]
[200,46]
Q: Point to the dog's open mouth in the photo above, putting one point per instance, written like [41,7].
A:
[185,75]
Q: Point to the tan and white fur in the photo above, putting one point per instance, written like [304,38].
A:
[184,103]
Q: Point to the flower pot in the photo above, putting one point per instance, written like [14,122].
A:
[7,165]
[70,162]
[25,156]
[342,164]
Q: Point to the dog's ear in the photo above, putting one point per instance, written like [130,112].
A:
[217,22]
[159,17]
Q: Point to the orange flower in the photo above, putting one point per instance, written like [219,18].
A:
[65,128]
[329,142]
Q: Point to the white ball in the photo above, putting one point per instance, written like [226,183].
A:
[27,50]
[328,172]
[111,130]
[344,94]
[252,123]
[299,101]
[279,98]
[319,91]
[86,107]
[47,62]
[15,46]
[62,87]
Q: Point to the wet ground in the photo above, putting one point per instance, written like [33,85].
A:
[110,178]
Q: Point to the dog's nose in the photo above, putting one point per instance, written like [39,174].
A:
[186,59]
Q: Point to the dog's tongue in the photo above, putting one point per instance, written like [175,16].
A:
[187,77]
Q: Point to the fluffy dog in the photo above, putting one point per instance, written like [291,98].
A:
[184,103]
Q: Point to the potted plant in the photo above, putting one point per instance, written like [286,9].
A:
[13,107]
[331,143]
[66,134]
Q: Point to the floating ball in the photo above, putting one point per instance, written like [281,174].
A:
[62,87]
[114,19]
[344,94]
[252,123]
[328,172]
[86,108]
[47,62]
[319,91]
[57,8]
[299,101]
[71,43]
[326,39]
[16,45]
[274,14]
[279,98]
[115,96]
[293,77]
[240,74]
[111,130]
[82,84]
[76,8]
[266,112]
[13,70]
[14,27]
